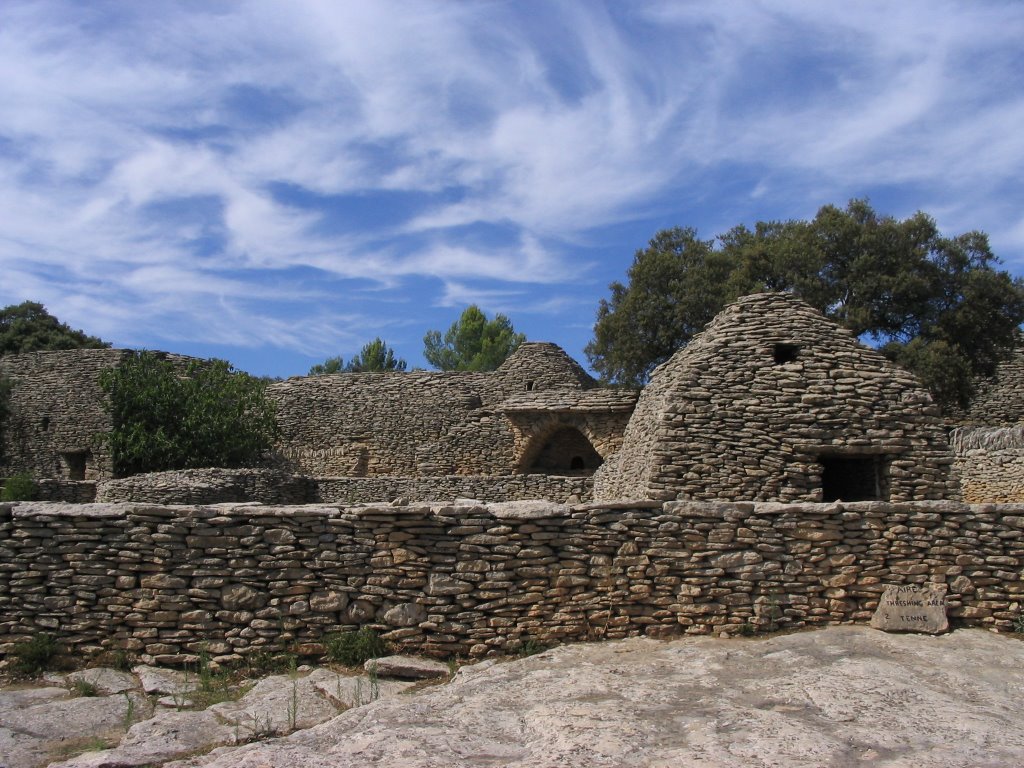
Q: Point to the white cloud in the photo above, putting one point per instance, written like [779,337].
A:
[166,155]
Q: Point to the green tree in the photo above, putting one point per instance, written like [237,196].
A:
[937,305]
[165,417]
[28,327]
[472,343]
[330,365]
[676,285]
[375,356]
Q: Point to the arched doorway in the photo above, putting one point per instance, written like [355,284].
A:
[565,451]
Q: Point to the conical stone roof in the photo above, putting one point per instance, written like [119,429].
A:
[753,407]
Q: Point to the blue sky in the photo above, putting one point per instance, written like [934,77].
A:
[278,182]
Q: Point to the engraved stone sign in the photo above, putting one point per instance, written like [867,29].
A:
[912,608]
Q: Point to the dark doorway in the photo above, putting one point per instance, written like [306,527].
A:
[566,452]
[76,464]
[853,478]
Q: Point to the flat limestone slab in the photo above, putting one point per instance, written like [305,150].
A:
[842,696]
[161,681]
[105,680]
[409,667]
[348,691]
[912,608]
[276,705]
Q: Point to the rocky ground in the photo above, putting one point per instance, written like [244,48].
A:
[843,696]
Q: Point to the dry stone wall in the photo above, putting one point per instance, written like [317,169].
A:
[56,413]
[773,402]
[423,424]
[990,463]
[208,486]
[269,486]
[489,488]
[164,582]
[999,401]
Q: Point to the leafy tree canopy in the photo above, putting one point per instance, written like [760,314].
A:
[28,327]
[938,305]
[375,356]
[330,365]
[167,416]
[472,343]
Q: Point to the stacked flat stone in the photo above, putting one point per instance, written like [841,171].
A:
[748,408]
[56,410]
[166,582]
[999,401]
[208,486]
[990,463]
[424,424]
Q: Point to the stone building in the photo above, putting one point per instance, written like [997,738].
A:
[56,413]
[774,402]
[540,412]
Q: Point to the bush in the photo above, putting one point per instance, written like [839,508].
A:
[168,416]
[36,655]
[20,487]
[355,648]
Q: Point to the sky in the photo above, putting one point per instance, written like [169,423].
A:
[275,183]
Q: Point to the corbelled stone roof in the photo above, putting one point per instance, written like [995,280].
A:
[749,407]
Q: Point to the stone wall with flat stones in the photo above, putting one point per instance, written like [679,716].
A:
[999,401]
[270,486]
[990,463]
[490,488]
[56,414]
[165,582]
[430,424]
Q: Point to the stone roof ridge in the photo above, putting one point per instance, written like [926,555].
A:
[546,357]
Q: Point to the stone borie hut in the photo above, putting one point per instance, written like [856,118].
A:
[774,402]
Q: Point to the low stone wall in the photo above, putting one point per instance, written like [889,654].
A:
[270,486]
[992,476]
[472,580]
[71,491]
[207,486]
[990,463]
[491,488]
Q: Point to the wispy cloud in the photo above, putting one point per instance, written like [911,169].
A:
[221,173]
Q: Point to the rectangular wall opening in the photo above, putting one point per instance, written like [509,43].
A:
[854,478]
[76,464]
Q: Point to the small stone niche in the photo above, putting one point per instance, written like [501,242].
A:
[785,353]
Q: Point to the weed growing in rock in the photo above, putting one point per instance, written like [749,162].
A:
[293,707]
[129,711]
[354,648]
[1018,625]
[121,660]
[36,655]
[261,663]
[374,682]
[84,688]
[530,648]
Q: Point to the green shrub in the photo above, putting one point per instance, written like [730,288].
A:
[19,487]
[354,648]
[36,655]
[185,416]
